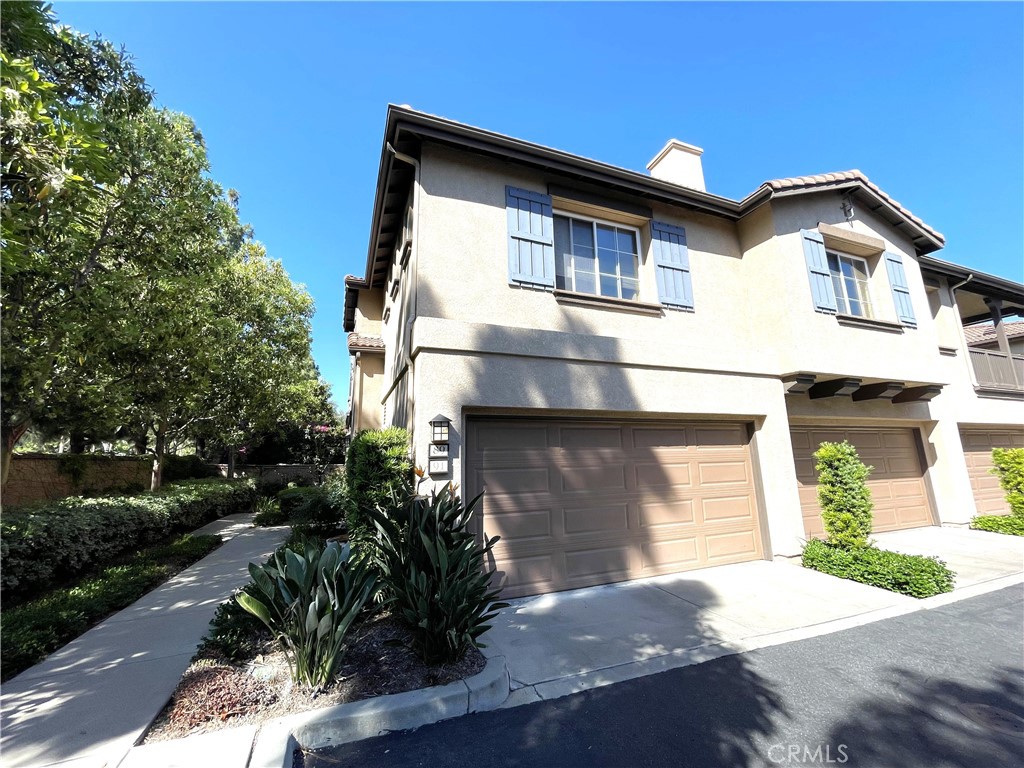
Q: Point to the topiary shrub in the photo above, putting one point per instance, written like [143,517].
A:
[376,468]
[913,575]
[1008,465]
[843,494]
[433,571]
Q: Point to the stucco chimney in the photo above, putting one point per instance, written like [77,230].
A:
[679,163]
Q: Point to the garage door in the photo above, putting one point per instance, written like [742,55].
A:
[896,483]
[978,443]
[579,503]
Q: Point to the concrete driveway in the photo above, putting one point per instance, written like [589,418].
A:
[974,556]
[567,642]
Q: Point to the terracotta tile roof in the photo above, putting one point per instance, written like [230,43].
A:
[827,179]
[986,334]
[355,341]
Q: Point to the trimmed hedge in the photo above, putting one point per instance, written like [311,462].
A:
[43,543]
[1011,524]
[376,468]
[35,629]
[913,575]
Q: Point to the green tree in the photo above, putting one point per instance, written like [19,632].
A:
[64,99]
[843,494]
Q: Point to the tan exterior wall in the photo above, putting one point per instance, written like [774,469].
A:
[456,385]
[465,341]
[368,379]
[39,478]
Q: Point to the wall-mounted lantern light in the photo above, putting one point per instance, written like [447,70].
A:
[439,426]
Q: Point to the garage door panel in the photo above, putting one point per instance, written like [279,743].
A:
[669,556]
[731,545]
[989,497]
[731,509]
[509,436]
[595,518]
[515,481]
[897,483]
[721,473]
[651,475]
[657,514]
[648,437]
[593,478]
[592,511]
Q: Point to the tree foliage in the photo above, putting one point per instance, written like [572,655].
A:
[135,303]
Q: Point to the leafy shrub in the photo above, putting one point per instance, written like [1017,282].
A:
[433,570]
[1009,466]
[912,575]
[37,628]
[309,599]
[843,495]
[310,509]
[376,468]
[1011,524]
[47,541]
[190,467]
[234,632]
[269,513]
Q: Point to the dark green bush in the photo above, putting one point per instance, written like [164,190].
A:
[1008,465]
[1011,524]
[269,513]
[912,575]
[42,543]
[37,628]
[843,494]
[376,468]
[311,509]
[190,467]
[234,632]
[433,572]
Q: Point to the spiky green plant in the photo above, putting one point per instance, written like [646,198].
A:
[309,598]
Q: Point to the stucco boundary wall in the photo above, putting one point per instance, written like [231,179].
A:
[285,473]
[39,477]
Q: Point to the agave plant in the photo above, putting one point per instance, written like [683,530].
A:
[433,568]
[309,599]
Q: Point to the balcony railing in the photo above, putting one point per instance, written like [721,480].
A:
[996,370]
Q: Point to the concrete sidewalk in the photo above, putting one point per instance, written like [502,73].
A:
[975,557]
[86,704]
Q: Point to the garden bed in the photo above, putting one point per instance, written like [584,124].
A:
[37,627]
[216,693]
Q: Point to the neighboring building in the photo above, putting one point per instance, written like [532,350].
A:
[637,371]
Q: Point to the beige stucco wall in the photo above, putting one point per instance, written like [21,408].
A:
[368,379]
[456,385]
[476,342]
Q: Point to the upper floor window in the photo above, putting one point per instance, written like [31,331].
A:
[850,280]
[596,257]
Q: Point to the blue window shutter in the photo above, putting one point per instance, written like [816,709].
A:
[531,247]
[900,289]
[822,291]
[672,265]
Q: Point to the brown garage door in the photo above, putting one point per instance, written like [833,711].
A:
[978,443]
[896,483]
[579,503]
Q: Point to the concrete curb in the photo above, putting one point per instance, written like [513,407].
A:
[278,739]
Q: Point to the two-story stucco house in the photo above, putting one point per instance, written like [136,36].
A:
[637,371]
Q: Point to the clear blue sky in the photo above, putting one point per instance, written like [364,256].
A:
[927,99]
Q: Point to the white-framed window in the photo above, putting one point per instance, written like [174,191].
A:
[850,277]
[596,257]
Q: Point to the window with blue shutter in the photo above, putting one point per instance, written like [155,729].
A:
[900,289]
[672,265]
[531,249]
[822,291]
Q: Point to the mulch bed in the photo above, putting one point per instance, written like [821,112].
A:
[215,693]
